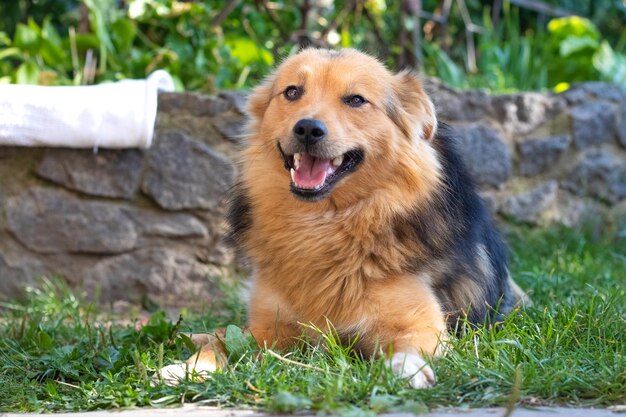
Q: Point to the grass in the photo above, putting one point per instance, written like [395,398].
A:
[60,353]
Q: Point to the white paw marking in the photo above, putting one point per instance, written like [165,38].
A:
[414,368]
[173,374]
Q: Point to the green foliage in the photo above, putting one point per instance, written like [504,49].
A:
[237,342]
[607,15]
[14,11]
[582,54]
[205,50]
[32,49]
[570,49]
[508,59]
[58,352]
[199,55]
[153,34]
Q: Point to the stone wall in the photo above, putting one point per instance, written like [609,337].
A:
[543,158]
[134,225]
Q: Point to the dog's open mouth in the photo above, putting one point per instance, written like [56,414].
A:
[313,177]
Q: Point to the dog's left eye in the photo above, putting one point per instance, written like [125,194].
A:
[354,100]
[293,92]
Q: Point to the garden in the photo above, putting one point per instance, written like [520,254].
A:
[215,45]
[559,201]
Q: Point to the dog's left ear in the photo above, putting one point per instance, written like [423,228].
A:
[410,108]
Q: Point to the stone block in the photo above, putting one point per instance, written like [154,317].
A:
[183,173]
[231,126]
[599,174]
[530,206]
[169,225]
[574,211]
[196,104]
[522,113]
[108,173]
[574,95]
[593,123]
[604,91]
[54,221]
[539,155]
[453,105]
[486,155]
[238,99]
[15,276]
[164,274]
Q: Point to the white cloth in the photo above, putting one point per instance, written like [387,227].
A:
[112,115]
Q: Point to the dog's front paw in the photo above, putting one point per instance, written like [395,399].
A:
[173,374]
[414,368]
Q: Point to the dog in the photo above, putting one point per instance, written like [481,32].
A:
[354,208]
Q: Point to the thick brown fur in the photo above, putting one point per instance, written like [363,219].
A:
[339,259]
[397,250]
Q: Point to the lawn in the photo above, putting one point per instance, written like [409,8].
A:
[57,352]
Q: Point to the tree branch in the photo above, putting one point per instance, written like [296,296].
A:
[230,6]
[339,18]
[271,13]
[379,37]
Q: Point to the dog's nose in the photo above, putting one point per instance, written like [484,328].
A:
[309,131]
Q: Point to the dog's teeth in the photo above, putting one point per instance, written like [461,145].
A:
[338,161]
[296,161]
[293,175]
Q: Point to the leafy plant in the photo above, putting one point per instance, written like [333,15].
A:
[570,49]
[37,51]
[582,53]
[153,34]
[207,45]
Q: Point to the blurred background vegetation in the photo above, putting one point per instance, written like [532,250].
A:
[207,45]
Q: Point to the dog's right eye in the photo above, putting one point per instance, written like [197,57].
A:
[293,93]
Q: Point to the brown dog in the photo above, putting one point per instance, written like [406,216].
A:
[355,208]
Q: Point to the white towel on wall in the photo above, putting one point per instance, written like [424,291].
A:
[113,115]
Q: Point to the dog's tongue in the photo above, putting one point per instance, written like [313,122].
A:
[312,171]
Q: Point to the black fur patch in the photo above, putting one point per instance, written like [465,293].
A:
[239,215]
[450,229]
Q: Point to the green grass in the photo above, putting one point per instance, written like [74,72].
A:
[59,353]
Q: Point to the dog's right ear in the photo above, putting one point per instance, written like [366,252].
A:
[259,99]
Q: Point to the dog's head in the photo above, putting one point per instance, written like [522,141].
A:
[339,125]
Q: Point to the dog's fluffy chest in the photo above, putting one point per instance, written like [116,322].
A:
[344,244]
[323,264]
